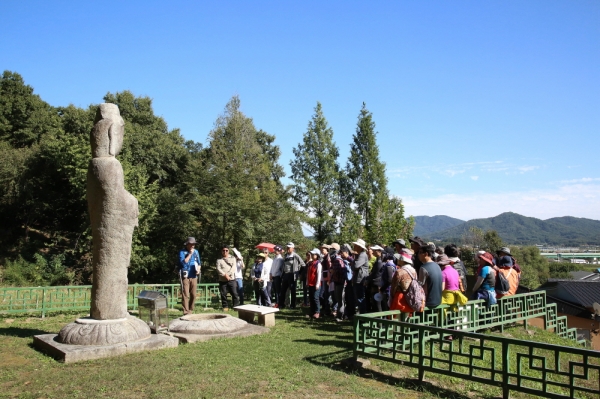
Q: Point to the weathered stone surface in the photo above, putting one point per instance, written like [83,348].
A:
[76,353]
[88,331]
[208,323]
[113,215]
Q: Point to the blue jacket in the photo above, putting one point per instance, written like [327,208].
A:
[190,266]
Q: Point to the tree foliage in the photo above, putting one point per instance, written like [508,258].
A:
[316,174]
[535,268]
[369,210]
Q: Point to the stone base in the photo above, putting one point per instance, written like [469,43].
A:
[88,331]
[76,353]
[202,327]
[249,329]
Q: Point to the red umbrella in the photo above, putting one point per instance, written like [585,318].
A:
[267,245]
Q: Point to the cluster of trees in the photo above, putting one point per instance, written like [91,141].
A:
[343,204]
[229,192]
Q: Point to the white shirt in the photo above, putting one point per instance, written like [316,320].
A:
[266,270]
[238,271]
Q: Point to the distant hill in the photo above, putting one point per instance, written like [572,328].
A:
[426,225]
[518,229]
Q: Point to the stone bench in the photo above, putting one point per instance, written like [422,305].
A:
[266,314]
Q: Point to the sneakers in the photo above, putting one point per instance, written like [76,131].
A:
[316,316]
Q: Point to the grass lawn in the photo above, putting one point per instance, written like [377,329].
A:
[298,358]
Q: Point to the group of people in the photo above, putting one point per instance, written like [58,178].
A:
[340,280]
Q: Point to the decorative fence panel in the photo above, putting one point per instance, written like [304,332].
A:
[50,299]
[475,315]
[535,368]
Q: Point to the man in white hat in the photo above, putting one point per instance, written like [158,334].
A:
[360,270]
[292,263]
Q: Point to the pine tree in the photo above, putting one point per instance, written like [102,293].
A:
[316,173]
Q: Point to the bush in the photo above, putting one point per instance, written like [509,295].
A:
[41,271]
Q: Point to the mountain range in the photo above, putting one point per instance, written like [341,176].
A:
[514,229]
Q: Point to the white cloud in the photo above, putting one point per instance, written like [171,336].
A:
[582,180]
[524,169]
[452,170]
[475,178]
[580,200]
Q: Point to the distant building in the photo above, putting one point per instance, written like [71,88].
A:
[575,299]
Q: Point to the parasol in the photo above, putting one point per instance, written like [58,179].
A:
[267,245]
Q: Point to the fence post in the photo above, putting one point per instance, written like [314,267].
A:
[505,370]
[43,302]
[421,354]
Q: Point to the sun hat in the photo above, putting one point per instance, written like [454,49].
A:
[315,251]
[326,246]
[335,246]
[237,253]
[376,248]
[443,260]
[278,248]
[190,240]
[431,244]
[417,240]
[261,255]
[406,257]
[290,245]
[487,257]
[400,242]
[361,243]
[506,250]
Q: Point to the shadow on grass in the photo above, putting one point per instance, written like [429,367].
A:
[20,332]
[342,361]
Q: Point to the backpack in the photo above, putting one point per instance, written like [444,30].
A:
[502,285]
[415,295]
[348,270]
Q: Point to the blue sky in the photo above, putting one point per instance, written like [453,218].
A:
[482,107]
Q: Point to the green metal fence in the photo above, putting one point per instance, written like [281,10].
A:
[535,368]
[475,315]
[50,299]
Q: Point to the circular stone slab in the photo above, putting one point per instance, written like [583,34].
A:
[88,331]
[207,323]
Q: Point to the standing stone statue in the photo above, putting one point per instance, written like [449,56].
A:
[113,215]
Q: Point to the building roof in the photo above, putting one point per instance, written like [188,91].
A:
[583,275]
[578,292]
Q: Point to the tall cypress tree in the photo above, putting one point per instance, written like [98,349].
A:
[316,172]
[381,215]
